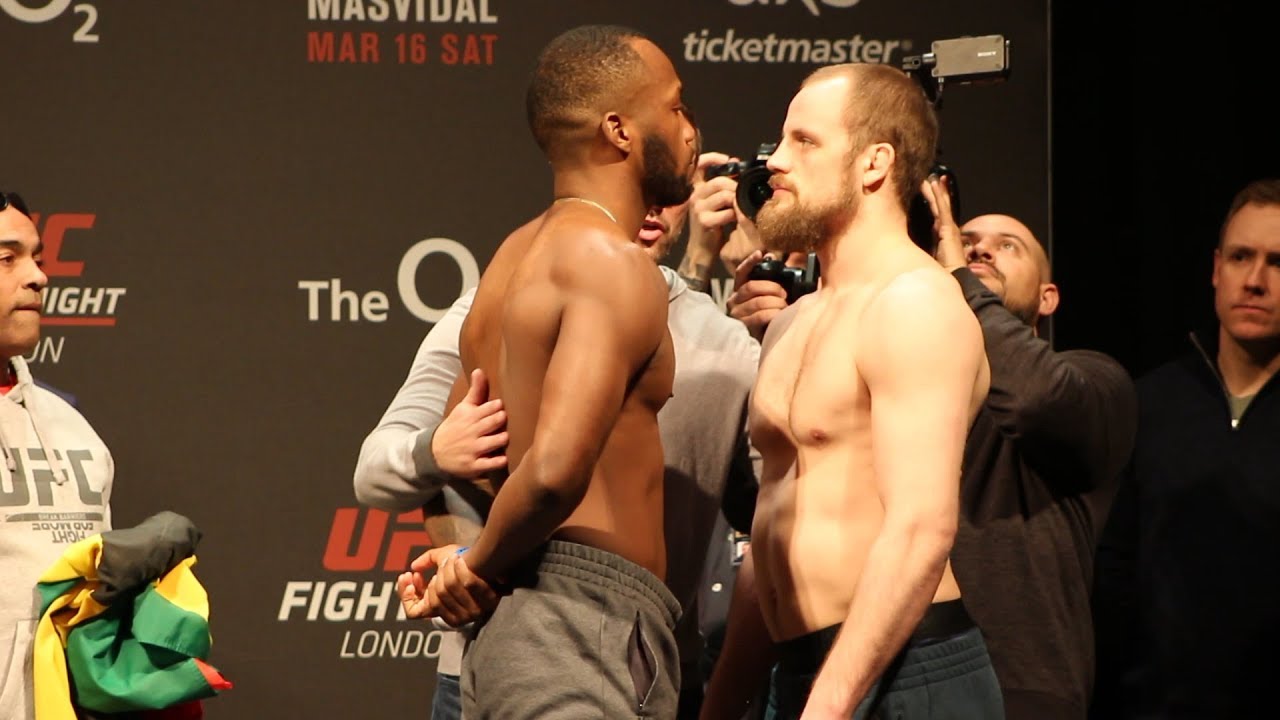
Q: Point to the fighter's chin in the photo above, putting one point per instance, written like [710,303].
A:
[678,197]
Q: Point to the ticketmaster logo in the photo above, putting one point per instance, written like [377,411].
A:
[731,48]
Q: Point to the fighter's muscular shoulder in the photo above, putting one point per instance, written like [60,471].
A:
[595,260]
[607,291]
[919,327]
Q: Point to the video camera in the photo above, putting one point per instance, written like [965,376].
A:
[964,60]
[798,282]
[753,179]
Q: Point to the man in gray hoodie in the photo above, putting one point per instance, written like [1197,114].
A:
[55,485]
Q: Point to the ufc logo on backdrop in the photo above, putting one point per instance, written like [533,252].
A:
[51,236]
[344,553]
[66,305]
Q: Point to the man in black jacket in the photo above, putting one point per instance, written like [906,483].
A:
[1187,606]
[1040,469]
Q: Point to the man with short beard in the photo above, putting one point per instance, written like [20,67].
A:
[860,412]
[570,326]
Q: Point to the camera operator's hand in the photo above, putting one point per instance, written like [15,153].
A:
[744,240]
[712,201]
[755,302]
[464,442]
[950,252]
[710,209]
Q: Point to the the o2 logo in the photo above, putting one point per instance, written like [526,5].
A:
[18,10]
[812,5]
[353,306]
[409,267]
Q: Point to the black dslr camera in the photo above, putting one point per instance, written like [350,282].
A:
[798,282]
[752,177]
[920,216]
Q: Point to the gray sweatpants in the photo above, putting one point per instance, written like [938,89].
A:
[584,634]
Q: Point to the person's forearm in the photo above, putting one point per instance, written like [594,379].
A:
[742,667]
[396,470]
[695,268]
[897,586]
[525,512]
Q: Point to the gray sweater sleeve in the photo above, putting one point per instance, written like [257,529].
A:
[396,470]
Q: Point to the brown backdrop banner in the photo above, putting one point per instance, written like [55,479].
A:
[254,210]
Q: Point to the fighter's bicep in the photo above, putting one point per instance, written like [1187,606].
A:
[920,361]
[588,369]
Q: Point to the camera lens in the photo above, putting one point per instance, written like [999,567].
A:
[754,190]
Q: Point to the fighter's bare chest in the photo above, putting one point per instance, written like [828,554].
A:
[809,389]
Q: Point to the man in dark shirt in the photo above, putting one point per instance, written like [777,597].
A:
[1040,469]
[1186,604]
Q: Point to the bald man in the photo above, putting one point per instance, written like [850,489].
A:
[1040,469]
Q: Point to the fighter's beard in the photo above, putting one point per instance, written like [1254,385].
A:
[662,184]
[800,227]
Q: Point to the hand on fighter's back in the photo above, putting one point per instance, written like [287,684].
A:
[465,443]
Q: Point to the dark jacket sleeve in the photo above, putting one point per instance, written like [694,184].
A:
[1072,414]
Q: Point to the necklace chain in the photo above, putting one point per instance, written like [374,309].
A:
[592,203]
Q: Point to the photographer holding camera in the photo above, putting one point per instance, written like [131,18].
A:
[729,192]
[710,211]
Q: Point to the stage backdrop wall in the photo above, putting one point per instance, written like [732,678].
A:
[253,212]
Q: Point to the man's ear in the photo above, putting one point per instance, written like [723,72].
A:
[617,131]
[1048,299]
[876,162]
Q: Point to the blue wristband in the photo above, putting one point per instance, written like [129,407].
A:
[462,549]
